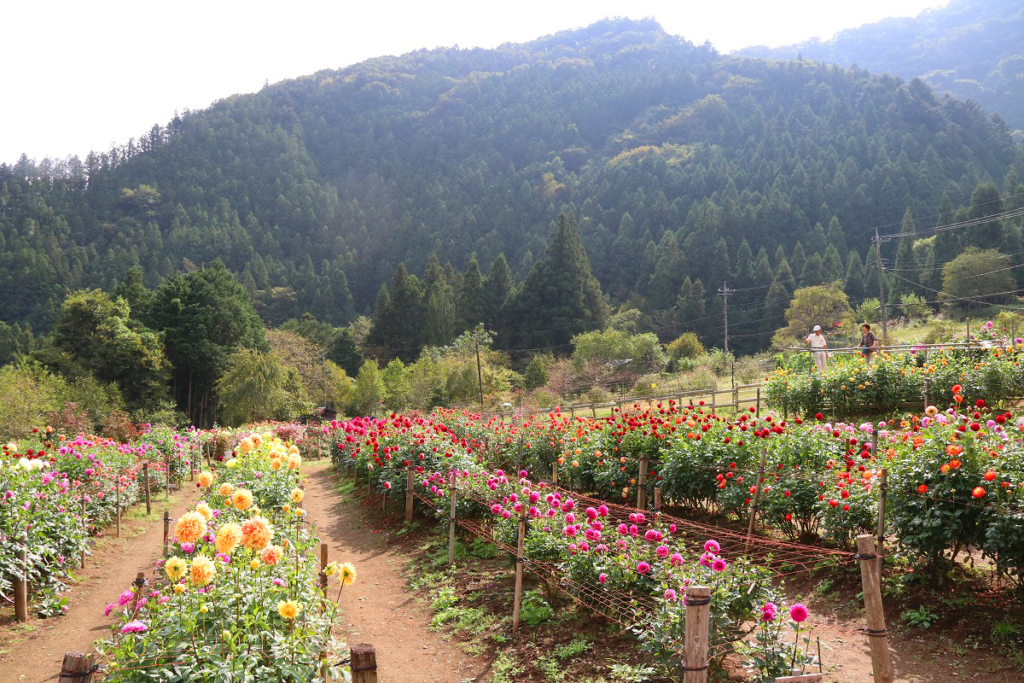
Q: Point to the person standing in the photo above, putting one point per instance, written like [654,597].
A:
[818,347]
[868,342]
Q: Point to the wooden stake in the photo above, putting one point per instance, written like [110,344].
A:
[85,528]
[451,524]
[139,583]
[77,668]
[409,484]
[517,600]
[757,413]
[757,498]
[554,473]
[641,484]
[883,488]
[167,473]
[167,531]
[323,577]
[364,664]
[698,619]
[145,481]
[117,505]
[20,585]
[657,499]
[878,638]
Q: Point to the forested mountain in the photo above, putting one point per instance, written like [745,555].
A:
[969,48]
[683,168]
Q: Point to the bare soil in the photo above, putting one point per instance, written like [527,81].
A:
[33,651]
[378,608]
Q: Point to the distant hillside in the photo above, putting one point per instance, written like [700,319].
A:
[683,167]
[970,48]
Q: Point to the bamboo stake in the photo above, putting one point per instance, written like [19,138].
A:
[878,635]
[554,473]
[757,498]
[409,484]
[641,484]
[167,531]
[517,600]
[451,524]
[323,577]
[698,613]
[883,489]
[657,499]
[85,528]
[20,584]
[145,480]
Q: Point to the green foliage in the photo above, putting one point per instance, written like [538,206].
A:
[535,609]
[95,331]
[536,374]
[206,316]
[919,618]
[619,351]
[825,305]
[686,345]
[369,389]
[914,307]
[260,386]
[977,276]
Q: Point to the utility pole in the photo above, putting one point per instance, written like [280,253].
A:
[881,287]
[479,372]
[724,292]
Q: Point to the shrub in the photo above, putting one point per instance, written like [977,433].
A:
[686,345]
[702,378]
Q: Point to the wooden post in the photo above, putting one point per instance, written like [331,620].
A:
[593,410]
[363,664]
[517,600]
[714,398]
[698,618]
[451,523]
[167,474]
[878,636]
[20,585]
[323,577]
[641,483]
[554,473]
[735,398]
[167,530]
[968,333]
[145,482]
[409,484]
[139,583]
[757,413]
[874,441]
[117,504]
[85,529]
[76,668]
[657,499]
[883,488]
[757,498]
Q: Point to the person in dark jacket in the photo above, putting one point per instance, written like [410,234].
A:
[869,343]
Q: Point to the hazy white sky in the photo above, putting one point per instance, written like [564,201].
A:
[83,75]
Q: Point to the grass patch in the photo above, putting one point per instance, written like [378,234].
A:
[505,669]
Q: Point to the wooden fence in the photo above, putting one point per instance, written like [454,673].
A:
[739,397]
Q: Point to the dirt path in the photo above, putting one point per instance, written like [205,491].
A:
[33,652]
[378,608]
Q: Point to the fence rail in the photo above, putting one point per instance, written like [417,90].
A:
[734,399]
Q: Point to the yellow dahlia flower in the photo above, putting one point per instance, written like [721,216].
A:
[175,568]
[289,609]
[202,571]
[256,533]
[242,499]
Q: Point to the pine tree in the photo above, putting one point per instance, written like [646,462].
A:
[498,288]
[853,282]
[560,298]
[398,326]
[472,302]
[906,266]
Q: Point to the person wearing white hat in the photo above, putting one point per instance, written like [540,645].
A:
[818,347]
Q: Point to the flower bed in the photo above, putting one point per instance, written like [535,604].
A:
[237,597]
[955,477]
[851,386]
[44,480]
[640,564]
